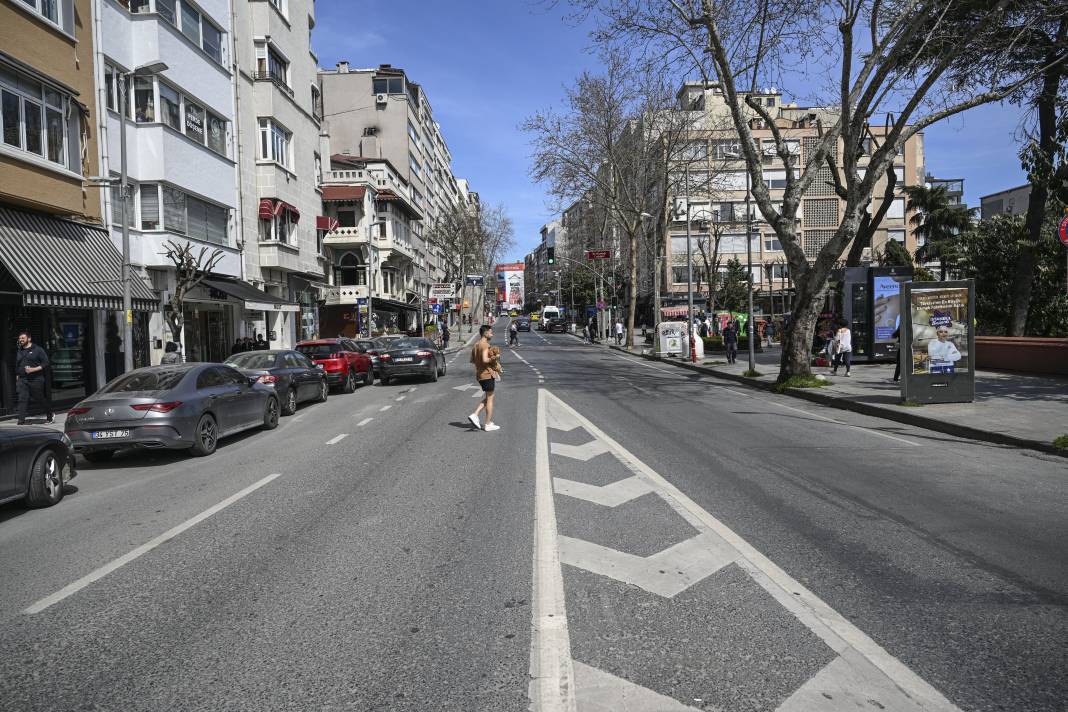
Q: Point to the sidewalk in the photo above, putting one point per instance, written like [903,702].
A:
[1011,409]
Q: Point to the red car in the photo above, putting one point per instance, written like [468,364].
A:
[342,360]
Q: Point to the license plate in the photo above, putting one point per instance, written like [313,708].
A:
[110,434]
[403,360]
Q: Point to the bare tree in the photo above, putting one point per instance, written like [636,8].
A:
[708,249]
[878,56]
[191,267]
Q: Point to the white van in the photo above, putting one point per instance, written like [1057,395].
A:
[546,314]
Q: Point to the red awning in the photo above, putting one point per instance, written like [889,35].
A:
[294,214]
[673,311]
[267,209]
[335,193]
[270,208]
[326,223]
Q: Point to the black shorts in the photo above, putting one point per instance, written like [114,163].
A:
[488,384]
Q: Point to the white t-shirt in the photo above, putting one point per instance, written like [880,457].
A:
[619,327]
[844,337]
[942,352]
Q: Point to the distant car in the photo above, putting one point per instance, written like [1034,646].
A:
[35,463]
[293,375]
[522,323]
[412,357]
[556,326]
[343,361]
[182,406]
[371,348]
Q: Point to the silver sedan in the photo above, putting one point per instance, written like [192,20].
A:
[183,406]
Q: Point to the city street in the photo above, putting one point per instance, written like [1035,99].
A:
[635,537]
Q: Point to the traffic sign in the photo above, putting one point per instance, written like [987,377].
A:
[598,254]
[436,308]
[1062,231]
[476,280]
[443,291]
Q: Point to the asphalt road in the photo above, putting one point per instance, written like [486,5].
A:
[635,537]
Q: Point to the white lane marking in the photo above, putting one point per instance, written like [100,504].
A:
[148,546]
[465,387]
[647,364]
[477,394]
[400,398]
[364,422]
[336,439]
[610,495]
[599,690]
[541,380]
[839,634]
[584,452]
[297,418]
[384,408]
[552,674]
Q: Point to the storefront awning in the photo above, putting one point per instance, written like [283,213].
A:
[343,193]
[249,296]
[62,263]
[326,223]
[271,208]
[675,311]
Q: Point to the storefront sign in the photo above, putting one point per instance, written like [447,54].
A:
[937,363]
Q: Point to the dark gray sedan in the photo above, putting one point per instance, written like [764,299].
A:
[294,376]
[182,406]
[35,463]
[412,357]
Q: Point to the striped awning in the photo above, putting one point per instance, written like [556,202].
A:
[62,263]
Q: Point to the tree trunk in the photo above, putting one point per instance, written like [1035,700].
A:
[632,297]
[797,339]
[1026,258]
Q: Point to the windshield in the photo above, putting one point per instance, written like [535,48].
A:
[367,345]
[252,361]
[399,344]
[319,350]
[146,380]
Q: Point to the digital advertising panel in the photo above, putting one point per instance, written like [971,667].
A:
[510,287]
[940,342]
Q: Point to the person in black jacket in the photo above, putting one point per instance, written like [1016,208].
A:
[31,365]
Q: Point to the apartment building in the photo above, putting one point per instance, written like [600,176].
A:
[165,69]
[541,277]
[279,112]
[714,198]
[380,117]
[59,272]
[1013,201]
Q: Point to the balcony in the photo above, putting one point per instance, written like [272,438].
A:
[279,82]
[346,237]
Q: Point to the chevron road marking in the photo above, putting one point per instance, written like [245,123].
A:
[611,495]
[584,452]
[466,386]
[599,691]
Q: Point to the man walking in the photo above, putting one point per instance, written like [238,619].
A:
[487,371]
[513,334]
[619,332]
[444,335]
[730,341]
[31,364]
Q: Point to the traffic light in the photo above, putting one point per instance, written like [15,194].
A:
[550,253]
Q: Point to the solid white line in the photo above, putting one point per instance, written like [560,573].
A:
[400,398]
[384,408]
[364,422]
[336,439]
[552,674]
[148,546]
[649,365]
[833,628]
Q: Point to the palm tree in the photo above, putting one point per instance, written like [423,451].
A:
[938,222]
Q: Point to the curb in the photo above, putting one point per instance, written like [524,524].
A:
[920,421]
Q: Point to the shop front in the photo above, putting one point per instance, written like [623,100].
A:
[261,313]
[59,281]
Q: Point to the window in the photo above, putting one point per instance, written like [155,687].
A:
[723,149]
[414,135]
[775,179]
[111,79]
[140,7]
[897,209]
[144,100]
[695,151]
[316,102]
[34,117]
[116,203]
[678,244]
[149,206]
[899,172]
[270,64]
[732,243]
[318,168]
[170,107]
[896,235]
[191,23]
[167,9]
[194,121]
[733,180]
[49,9]
[772,245]
[216,133]
[777,272]
[279,5]
[346,217]
[174,210]
[416,168]
[274,142]
[212,41]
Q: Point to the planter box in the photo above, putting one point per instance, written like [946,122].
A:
[1022,353]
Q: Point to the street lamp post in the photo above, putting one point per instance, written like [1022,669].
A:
[145,70]
[748,261]
[689,273]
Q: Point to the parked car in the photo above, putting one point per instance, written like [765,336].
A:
[371,348]
[35,463]
[412,357]
[556,326]
[182,406]
[342,361]
[522,323]
[294,377]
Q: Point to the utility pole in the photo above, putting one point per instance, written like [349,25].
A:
[689,273]
[750,326]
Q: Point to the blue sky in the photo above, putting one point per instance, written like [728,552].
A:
[488,64]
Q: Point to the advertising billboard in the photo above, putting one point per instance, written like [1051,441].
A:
[940,345]
[510,287]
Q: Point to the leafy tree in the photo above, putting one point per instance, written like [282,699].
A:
[938,223]
[894,254]
[732,294]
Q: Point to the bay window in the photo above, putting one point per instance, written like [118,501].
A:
[144,100]
[170,104]
[274,142]
[191,23]
[194,121]
[150,206]
[188,19]
[48,9]
[168,10]
[183,214]
[34,118]
[174,210]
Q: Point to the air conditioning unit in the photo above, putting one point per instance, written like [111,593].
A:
[381,98]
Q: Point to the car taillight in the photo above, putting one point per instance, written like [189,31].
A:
[423,354]
[385,357]
[267,378]
[78,411]
[157,407]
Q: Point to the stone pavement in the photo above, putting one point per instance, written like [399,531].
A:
[1010,408]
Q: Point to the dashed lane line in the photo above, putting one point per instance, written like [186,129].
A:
[400,398]
[384,408]
[148,546]
[364,422]
[336,439]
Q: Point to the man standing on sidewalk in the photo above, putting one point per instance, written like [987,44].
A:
[730,341]
[487,371]
[619,332]
[31,363]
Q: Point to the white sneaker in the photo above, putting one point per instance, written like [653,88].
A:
[474,421]
[491,427]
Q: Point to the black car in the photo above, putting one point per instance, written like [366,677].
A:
[412,357]
[294,376]
[35,463]
[371,347]
[556,326]
[522,323]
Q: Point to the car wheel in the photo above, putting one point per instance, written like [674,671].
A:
[205,437]
[349,385]
[98,455]
[290,406]
[270,414]
[433,377]
[46,480]
[324,392]
[369,377]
